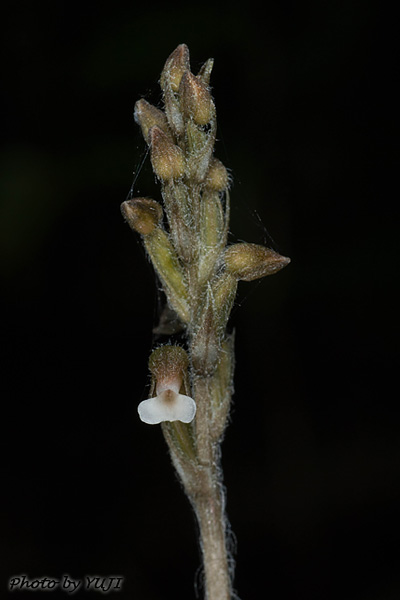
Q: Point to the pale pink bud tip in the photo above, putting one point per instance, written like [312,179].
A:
[167,406]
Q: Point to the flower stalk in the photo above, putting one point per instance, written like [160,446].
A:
[186,241]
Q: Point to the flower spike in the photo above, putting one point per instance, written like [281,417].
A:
[186,239]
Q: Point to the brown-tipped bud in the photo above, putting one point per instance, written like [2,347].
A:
[205,71]
[142,214]
[175,66]
[251,261]
[146,115]
[167,159]
[217,176]
[195,99]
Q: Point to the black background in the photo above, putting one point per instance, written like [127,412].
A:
[304,94]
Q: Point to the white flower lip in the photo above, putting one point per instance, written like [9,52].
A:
[168,405]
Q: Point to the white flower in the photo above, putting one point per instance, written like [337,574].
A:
[168,405]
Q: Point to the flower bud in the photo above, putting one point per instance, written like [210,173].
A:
[142,214]
[251,261]
[217,176]
[175,66]
[146,115]
[195,99]
[167,159]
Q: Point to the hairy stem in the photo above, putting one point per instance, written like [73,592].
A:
[208,502]
[210,515]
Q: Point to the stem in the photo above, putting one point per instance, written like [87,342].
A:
[208,501]
[210,515]
[204,446]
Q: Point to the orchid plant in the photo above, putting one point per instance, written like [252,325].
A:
[186,240]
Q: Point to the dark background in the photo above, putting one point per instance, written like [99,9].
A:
[304,94]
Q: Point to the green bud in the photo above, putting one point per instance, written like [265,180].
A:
[167,159]
[251,261]
[142,214]
[217,176]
